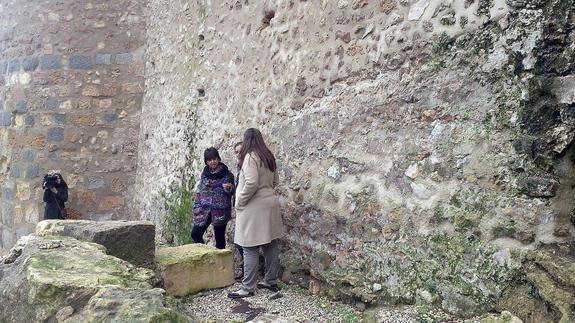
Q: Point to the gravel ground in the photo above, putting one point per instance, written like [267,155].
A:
[293,304]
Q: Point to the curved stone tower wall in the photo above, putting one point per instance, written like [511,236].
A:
[71,84]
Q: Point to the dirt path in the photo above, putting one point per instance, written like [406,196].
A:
[294,304]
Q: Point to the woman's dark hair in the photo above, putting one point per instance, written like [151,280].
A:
[211,153]
[62,182]
[254,142]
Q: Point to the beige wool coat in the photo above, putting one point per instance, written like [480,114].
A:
[258,217]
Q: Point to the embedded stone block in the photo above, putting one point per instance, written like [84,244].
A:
[51,62]
[194,267]
[80,62]
[14,65]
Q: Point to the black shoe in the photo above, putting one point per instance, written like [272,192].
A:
[274,287]
[240,294]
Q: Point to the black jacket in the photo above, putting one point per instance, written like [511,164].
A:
[53,210]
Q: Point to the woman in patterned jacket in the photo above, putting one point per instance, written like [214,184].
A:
[213,200]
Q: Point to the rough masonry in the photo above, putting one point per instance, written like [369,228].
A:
[71,84]
[424,146]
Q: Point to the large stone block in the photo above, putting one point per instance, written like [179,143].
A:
[132,241]
[61,279]
[194,267]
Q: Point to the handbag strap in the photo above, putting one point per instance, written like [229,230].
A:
[57,204]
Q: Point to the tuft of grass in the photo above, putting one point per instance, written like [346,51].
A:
[178,203]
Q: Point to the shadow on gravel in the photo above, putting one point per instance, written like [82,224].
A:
[244,307]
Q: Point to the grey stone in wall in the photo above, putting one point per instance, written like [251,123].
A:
[103,59]
[123,58]
[55,134]
[30,64]
[100,216]
[3,67]
[21,107]
[7,212]
[5,119]
[8,194]
[60,118]
[15,171]
[14,65]
[51,103]
[80,62]
[29,121]
[7,237]
[110,117]
[94,182]
[51,62]
[32,171]
[28,155]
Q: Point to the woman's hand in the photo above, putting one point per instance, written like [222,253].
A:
[54,190]
[227,186]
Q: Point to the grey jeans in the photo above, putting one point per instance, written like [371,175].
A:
[251,264]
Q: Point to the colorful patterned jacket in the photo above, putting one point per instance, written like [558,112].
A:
[213,203]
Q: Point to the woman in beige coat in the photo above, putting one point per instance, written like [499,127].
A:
[258,218]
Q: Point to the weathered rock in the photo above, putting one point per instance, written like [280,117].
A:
[132,241]
[524,302]
[559,262]
[67,279]
[194,267]
[113,304]
[561,298]
[547,294]
[540,186]
[504,317]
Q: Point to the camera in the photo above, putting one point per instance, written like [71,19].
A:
[50,181]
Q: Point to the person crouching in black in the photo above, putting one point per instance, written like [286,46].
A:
[55,196]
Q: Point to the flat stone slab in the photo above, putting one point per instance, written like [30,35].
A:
[132,241]
[194,267]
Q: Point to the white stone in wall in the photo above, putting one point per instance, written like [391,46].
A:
[421,191]
[333,171]
[412,171]
[417,10]
[342,4]
[25,78]
[564,89]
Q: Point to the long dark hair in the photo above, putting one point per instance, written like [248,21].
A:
[254,142]
[62,182]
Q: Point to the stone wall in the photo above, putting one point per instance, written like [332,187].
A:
[168,130]
[423,145]
[71,84]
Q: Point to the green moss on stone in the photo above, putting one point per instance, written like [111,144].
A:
[450,267]
[190,253]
